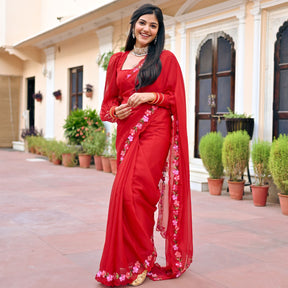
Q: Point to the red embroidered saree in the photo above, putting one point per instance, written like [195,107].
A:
[153,168]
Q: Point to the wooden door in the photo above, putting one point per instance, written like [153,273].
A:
[215,81]
[280,103]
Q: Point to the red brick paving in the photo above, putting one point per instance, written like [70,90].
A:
[52,229]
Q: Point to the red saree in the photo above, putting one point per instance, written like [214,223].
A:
[152,148]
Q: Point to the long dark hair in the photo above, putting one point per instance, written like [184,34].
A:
[152,66]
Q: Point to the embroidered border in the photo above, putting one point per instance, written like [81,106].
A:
[136,129]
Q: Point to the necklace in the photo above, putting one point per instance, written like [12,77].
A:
[139,52]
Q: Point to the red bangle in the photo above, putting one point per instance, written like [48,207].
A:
[112,112]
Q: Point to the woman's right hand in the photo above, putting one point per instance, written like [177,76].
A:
[122,111]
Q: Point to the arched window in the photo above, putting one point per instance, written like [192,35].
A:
[215,84]
[280,103]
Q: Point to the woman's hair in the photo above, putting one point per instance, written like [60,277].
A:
[152,66]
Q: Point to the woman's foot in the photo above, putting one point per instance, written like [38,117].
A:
[140,279]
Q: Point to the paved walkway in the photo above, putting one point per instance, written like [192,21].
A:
[52,228]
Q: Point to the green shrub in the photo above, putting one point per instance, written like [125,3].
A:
[95,142]
[278,162]
[77,124]
[210,148]
[235,154]
[260,158]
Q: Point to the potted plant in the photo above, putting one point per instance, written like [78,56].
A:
[278,164]
[235,157]
[95,142]
[113,152]
[89,90]
[69,153]
[76,125]
[57,94]
[236,121]
[210,148]
[260,158]
[37,96]
[25,133]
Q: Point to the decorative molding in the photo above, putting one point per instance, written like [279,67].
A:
[222,8]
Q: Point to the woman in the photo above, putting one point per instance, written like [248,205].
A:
[144,93]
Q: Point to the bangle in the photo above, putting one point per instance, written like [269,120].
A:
[112,112]
[155,99]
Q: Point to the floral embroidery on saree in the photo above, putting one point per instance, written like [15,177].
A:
[136,129]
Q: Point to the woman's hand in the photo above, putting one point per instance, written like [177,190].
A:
[122,111]
[139,98]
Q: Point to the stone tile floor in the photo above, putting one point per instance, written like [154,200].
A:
[52,229]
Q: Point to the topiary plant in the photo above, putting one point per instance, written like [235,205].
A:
[210,148]
[278,162]
[235,154]
[260,158]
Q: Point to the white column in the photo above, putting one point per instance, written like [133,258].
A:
[240,67]
[105,37]
[183,50]
[172,35]
[256,66]
[50,68]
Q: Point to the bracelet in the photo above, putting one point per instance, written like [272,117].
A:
[158,98]
[155,99]
[112,112]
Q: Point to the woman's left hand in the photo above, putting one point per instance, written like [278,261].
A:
[139,98]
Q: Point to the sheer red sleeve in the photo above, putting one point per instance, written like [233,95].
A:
[111,92]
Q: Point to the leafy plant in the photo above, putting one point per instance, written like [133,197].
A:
[278,162]
[210,148]
[103,59]
[235,154]
[77,124]
[30,132]
[232,114]
[260,158]
[113,150]
[94,144]
[37,96]
[89,88]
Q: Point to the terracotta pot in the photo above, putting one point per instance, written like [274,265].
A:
[32,150]
[215,186]
[84,160]
[113,164]
[68,160]
[55,160]
[98,163]
[89,94]
[283,203]
[58,97]
[259,194]
[236,189]
[106,164]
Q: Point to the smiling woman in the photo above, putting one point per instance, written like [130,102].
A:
[145,95]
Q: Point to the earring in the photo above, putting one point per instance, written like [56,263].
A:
[133,35]
[155,40]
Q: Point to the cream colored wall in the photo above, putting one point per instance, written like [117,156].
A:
[81,51]
[23,19]
[10,65]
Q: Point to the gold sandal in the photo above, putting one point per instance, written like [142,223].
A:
[140,279]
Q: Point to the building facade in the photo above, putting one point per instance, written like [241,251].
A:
[233,53]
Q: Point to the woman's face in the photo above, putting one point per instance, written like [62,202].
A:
[146,28]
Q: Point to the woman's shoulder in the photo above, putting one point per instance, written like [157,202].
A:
[166,54]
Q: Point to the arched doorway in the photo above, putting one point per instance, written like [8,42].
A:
[215,84]
[280,101]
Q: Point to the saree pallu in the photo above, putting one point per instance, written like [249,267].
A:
[151,149]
